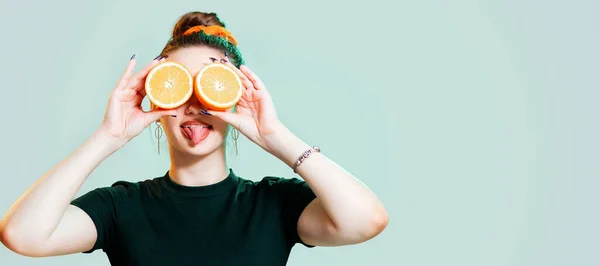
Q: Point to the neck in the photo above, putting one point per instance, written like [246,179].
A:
[189,170]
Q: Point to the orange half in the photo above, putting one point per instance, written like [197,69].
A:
[218,87]
[169,85]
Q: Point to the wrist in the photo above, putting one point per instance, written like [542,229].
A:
[105,142]
[286,146]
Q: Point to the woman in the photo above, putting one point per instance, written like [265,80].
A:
[200,212]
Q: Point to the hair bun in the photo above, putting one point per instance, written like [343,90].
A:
[193,19]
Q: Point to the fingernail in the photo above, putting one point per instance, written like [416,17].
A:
[132,57]
[157,58]
[164,56]
[204,112]
[173,116]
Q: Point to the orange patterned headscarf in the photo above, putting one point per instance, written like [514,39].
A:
[214,30]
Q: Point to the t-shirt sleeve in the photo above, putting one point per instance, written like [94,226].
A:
[295,195]
[102,205]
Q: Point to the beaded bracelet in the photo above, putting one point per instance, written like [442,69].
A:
[305,155]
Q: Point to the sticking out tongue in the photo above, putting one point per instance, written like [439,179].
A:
[195,133]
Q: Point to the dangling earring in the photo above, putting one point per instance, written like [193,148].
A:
[158,132]
[235,134]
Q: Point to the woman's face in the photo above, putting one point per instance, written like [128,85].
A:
[192,132]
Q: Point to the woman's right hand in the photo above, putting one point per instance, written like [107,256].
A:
[43,222]
[124,118]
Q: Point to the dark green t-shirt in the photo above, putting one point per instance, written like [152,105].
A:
[234,222]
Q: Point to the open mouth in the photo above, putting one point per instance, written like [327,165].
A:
[195,132]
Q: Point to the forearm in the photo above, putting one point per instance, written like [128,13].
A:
[352,207]
[37,213]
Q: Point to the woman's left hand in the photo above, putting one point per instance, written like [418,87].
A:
[255,115]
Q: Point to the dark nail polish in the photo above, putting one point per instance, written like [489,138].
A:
[204,112]
[132,57]
[158,57]
[173,116]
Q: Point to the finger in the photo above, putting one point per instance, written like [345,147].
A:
[142,93]
[153,115]
[258,84]
[128,95]
[137,81]
[140,85]
[226,116]
[127,74]
[245,81]
[138,98]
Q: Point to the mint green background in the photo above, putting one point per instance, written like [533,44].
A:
[474,121]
